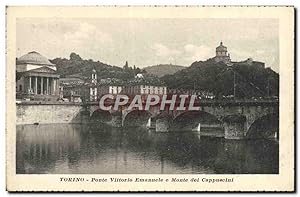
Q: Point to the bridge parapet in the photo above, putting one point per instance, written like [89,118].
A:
[221,109]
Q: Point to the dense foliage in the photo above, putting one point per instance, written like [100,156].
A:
[76,65]
[218,78]
[163,69]
[107,74]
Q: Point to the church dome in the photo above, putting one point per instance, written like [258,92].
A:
[34,58]
[221,47]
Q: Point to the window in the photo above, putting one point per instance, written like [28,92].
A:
[20,88]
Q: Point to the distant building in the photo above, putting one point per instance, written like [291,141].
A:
[93,86]
[145,89]
[114,89]
[77,87]
[250,62]
[72,87]
[221,54]
[36,78]
[200,93]
[109,89]
[139,76]
[94,76]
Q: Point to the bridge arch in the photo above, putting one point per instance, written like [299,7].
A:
[101,116]
[136,118]
[265,126]
[189,120]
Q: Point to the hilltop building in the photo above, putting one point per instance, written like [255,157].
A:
[36,78]
[250,62]
[222,55]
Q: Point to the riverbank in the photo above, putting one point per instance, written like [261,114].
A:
[49,113]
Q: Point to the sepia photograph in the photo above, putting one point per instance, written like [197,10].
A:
[104,97]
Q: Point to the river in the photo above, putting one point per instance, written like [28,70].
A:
[95,149]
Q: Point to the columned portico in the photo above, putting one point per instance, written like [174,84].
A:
[37,78]
[41,85]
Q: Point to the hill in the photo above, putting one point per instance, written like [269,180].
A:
[106,73]
[77,65]
[218,78]
[209,76]
[163,69]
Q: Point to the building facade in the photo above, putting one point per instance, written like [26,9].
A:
[36,78]
[71,88]
[145,89]
[77,88]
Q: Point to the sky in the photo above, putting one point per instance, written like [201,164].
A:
[147,42]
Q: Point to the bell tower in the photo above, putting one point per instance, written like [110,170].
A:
[94,76]
[93,87]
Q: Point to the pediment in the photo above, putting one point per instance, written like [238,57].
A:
[43,69]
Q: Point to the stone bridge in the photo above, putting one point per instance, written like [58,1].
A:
[235,116]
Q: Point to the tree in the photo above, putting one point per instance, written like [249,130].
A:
[138,70]
[75,57]
[126,66]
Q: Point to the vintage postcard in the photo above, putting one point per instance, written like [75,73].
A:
[150,98]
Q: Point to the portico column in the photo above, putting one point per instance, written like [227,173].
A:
[54,86]
[57,87]
[30,83]
[47,85]
[35,91]
[51,86]
[42,85]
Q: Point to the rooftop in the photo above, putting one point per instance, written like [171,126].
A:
[34,58]
[221,47]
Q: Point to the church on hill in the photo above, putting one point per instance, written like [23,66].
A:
[222,55]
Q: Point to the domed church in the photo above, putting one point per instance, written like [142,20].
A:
[36,78]
[221,54]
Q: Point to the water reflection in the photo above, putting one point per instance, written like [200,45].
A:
[65,148]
